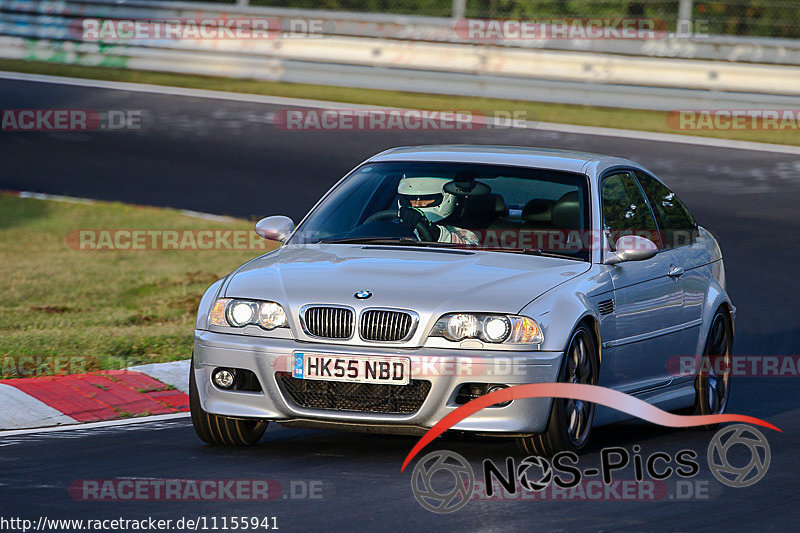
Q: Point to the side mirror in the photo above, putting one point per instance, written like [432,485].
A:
[632,248]
[277,228]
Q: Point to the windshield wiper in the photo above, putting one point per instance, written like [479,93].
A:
[402,241]
[531,251]
[407,241]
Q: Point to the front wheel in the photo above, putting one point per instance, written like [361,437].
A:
[713,382]
[570,420]
[222,430]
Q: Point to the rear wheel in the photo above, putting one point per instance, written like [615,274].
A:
[223,430]
[713,382]
[570,420]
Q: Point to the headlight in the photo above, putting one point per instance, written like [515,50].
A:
[496,328]
[510,329]
[240,313]
[461,326]
[271,316]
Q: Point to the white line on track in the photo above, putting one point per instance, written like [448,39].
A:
[78,200]
[95,425]
[298,102]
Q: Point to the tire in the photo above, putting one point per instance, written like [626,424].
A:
[222,430]
[713,390]
[570,421]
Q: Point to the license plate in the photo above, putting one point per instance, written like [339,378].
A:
[353,368]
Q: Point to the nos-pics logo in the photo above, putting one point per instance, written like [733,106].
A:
[444,481]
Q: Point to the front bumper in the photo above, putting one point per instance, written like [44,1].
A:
[446,370]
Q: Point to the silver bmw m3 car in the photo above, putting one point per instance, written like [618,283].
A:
[432,275]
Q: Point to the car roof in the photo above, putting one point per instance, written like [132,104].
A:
[564,160]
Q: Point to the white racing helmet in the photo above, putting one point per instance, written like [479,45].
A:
[427,195]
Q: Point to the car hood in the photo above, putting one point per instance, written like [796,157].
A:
[426,280]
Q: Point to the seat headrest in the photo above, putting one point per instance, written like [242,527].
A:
[538,211]
[567,211]
[480,211]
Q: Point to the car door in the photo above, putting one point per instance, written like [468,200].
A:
[648,302]
[680,233]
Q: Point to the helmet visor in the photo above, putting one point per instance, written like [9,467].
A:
[420,200]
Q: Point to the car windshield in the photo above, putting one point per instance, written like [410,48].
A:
[486,207]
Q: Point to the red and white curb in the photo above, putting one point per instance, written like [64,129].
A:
[140,391]
[156,391]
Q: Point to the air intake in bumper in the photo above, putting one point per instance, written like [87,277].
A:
[364,397]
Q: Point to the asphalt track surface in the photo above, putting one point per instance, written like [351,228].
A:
[227,157]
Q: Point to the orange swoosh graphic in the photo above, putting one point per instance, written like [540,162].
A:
[577,391]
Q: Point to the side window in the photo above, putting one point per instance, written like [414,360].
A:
[625,210]
[674,220]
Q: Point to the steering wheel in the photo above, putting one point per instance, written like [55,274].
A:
[391,214]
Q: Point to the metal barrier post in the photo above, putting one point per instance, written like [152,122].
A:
[459,9]
[684,26]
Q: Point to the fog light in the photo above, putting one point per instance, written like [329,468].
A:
[471,391]
[223,378]
[494,388]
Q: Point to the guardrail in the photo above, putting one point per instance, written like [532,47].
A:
[429,29]
[388,53]
[772,18]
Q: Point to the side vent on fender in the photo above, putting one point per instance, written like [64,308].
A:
[606,306]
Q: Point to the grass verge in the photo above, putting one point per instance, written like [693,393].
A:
[653,121]
[66,310]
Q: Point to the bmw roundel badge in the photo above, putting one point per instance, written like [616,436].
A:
[363,295]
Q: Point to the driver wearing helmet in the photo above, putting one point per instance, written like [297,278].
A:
[424,201]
